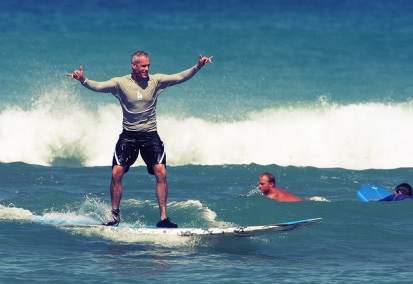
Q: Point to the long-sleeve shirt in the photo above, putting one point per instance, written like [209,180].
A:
[138,100]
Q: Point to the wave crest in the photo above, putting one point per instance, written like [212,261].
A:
[60,130]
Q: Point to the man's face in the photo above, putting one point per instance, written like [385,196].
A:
[141,68]
[264,185]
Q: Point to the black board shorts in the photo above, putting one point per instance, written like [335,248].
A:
[130,143]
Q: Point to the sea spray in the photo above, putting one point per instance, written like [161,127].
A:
[60,130]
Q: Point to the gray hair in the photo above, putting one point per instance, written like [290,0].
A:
[136,55]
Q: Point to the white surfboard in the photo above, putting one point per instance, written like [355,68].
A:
[188,232]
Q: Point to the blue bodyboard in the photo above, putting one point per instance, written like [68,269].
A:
[371,192]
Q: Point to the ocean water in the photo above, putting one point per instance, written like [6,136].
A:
[317,92]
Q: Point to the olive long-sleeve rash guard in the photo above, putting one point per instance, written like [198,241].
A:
[138,100]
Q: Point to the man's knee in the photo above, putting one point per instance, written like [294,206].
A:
[160,172]
[118,172]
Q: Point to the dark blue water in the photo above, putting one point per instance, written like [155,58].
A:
[317,92]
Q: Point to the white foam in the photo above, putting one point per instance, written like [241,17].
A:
[357,136]
[127,235]
[56,218]
[59,129]
[14,213]
[91,211]
[205,213]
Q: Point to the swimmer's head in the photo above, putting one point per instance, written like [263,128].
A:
[404,188]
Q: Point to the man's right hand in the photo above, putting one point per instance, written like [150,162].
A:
[77,74]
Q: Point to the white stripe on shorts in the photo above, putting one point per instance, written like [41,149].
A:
[163,155]
[116,158]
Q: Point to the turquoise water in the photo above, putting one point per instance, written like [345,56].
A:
[357,242]
[317,92]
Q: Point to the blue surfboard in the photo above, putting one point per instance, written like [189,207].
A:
[371,192]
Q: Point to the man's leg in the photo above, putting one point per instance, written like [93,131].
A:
[161,188]
[116,194]
[162,195]
[116,186]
